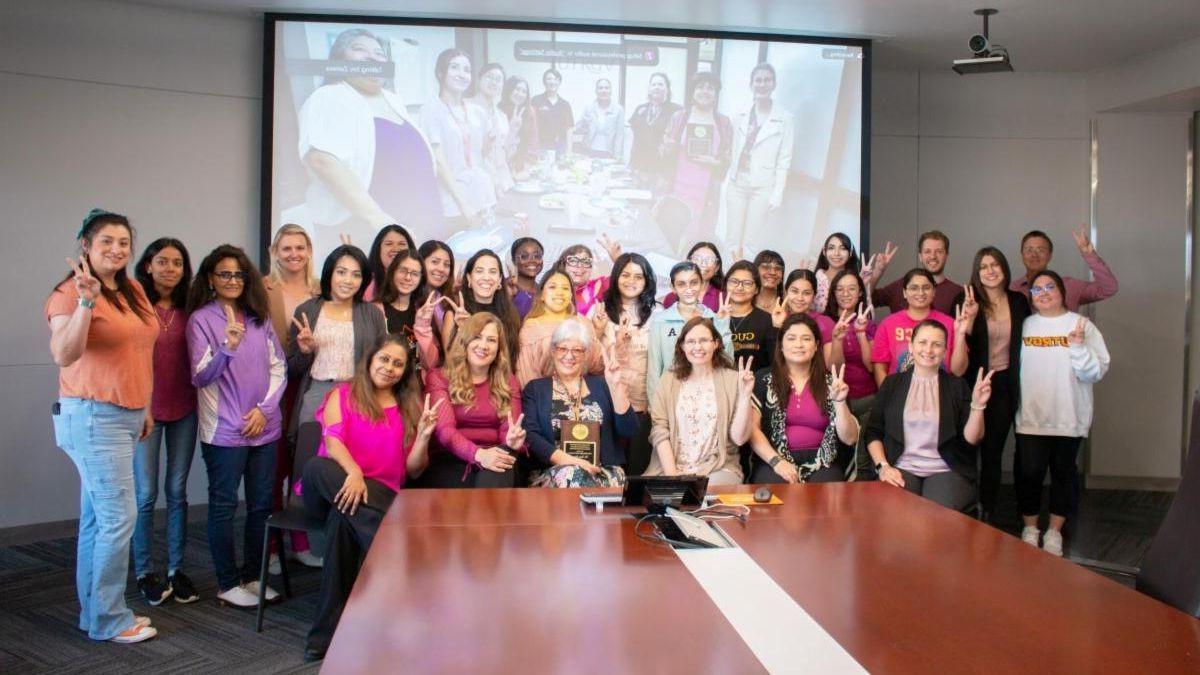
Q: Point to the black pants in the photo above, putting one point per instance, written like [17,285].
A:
[446,470]
[1034,455]
[638,450]
[997,420]
[949,488]
[763,473]
[347,538]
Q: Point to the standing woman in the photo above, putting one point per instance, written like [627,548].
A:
[836,255]
[457,130]
[698,143]
[666,325]
[102,336]
[489,89]
[165,273]
[993,343]
[479,432]
[535,347]
[527,257]
[628,308]
[851,348]
[579,262]
[890,352]
[1062,356]
[770,271]
[802,425]
[521,147]
[925,423]
[483,291]
[239,370]
[708,259]
[701,410]
[404,302]
[649,124]
[762,151]
[750,327]
[390,240]
[798,293]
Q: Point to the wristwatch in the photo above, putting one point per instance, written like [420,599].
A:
[879,466]
[775,461]
[87,304]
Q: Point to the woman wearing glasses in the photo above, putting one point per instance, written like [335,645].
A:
[890,352]
[770,271]
[1062,356]
[665,327]
[708,260]
[554,305]
[701,410]
[750,327]
[578,262]
[527,256]
[239,371]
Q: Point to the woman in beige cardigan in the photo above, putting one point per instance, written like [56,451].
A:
[701,411]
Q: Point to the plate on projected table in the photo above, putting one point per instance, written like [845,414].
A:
[631,194]
[529,188]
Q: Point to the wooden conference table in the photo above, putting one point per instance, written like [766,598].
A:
[525,581]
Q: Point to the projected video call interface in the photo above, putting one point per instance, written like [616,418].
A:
[476,136]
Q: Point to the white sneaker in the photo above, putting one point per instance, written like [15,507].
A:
[252,586]
[240,596]
[1052,543]
[273,567]
[141,620]
[308,559]
[136,633]
[1030,534]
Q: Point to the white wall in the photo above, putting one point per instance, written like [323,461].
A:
[149,112]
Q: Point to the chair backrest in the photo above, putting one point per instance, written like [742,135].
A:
[1171,569]
[308,440]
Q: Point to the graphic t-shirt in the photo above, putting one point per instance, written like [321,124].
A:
[894,336]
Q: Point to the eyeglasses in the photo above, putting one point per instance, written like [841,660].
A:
[770,267]
[576,261]
[696,342]
[575,352]
[529,257]
[919,289]
[704,260]
[740,283]
[1039,290]
[230,276]
[1042,250]
[409,274]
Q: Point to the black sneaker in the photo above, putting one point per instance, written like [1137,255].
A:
[153,589]
[182,586]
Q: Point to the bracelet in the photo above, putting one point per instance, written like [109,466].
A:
[87,304]
[978,407]
[774,461]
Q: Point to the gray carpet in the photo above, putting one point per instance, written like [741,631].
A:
[39,612]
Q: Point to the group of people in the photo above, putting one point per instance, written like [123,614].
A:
[447,169]
[418,376]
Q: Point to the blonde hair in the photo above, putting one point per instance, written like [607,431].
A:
[458,374]
[276,276]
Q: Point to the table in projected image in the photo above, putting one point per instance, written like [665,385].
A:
[525,581]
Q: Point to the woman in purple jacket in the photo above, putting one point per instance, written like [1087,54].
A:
[239,371]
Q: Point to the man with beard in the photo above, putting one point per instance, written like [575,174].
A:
[933,250]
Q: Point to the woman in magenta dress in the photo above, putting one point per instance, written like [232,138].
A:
[701,140]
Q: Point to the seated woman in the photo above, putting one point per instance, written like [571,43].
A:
[926,422]
[554,303]
[479,431]
[374,436]
[803,429]
[701,410]
[573,419]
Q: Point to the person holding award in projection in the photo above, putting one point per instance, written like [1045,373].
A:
[700,139]
[368,162]
[573,419]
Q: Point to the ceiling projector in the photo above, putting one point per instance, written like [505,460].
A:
[988,58]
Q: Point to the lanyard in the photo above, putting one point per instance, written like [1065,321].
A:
[463,131]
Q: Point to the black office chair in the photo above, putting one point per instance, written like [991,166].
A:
[292,517]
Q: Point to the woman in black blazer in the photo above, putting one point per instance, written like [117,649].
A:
[994,343]
[595,407]
[925,423]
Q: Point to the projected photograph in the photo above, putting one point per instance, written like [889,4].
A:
[476,136]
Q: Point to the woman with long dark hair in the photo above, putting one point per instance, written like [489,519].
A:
[850,348]
[770,270]
[165,272]
[238,366]
[102,335]
[535,349]
[391,240]
[482,291]
[837,254]
[522,144]
[699,140]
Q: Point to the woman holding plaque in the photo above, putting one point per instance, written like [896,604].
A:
[649,123]
[701,141]
[573,419]
[701,411]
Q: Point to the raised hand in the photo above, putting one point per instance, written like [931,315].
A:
[1076,336]
[722,306]
[345,239]
[778,313]
[515,437]
[428,419]
[611,246]
[1082,241]
[234,329]
[460,309]
[885,258]
[862,319]
[425,311]
[842,327]
[624,337]
[612,368]
[599,318]
[808,263]
[510,282]
[86,285]
[739,253]
[305,342]
[745,377]
[255,422]
[838,389]
[964,317]
[983,389]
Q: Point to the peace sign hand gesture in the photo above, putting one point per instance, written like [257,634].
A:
[1075,337]
[428,419]
[460,309]
[234,330]
[722,306]
[983,389]
[745,377]
[515,438]
[964,314]
[510,282]
[305,342]
[611,246]
[842,327]
[86,285]
[612,368]
[1083,241]
[599,318]
[344,237]
[862,319]
[885,258]
[838,389]
[425,311]
[778,313]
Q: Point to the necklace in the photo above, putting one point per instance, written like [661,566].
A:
[170,319]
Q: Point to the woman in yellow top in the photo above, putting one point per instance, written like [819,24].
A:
[555,302]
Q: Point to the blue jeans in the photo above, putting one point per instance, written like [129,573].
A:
[99,439]
[226,468]
[180,437]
